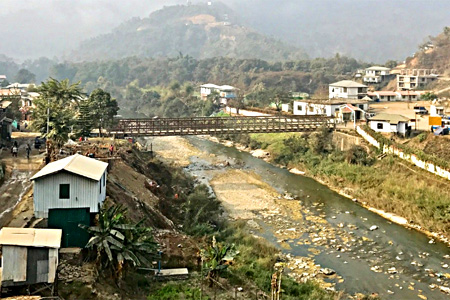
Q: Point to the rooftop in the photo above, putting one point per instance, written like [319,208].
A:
[391,118]
[335,101]
[34,237]
[76,164]
[378,68]
[219,87]
[348,84]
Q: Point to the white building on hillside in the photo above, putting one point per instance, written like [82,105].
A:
[347,89]
[73,182]
[225,92]
[389,123]
[376,74]
[330,107]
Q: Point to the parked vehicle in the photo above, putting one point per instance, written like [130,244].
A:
[39,142]
[420,110]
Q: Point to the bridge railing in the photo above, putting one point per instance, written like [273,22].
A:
[214,125]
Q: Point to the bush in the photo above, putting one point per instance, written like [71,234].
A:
[357,155]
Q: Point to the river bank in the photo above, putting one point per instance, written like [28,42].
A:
[428,219]
[363,252]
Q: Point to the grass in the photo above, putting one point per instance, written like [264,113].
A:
[389,184]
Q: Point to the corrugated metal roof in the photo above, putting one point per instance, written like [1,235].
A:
[34,237]
[77,164]
[348,83]
[391,118]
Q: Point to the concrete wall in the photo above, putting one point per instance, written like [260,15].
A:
[345,141]
[412,158]
[244,112]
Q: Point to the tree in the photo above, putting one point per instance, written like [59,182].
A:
[103,109]
[55,109]
[85,122]
[118,244]
[25,76]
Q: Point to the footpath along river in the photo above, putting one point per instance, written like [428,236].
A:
[327,228]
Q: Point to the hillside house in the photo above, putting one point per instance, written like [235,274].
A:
[376,74]
[390,123]
[411,79]
[395,95]
[225,92]
[329,107]
[75,182]
[2,78]
[347,89]
[29,255]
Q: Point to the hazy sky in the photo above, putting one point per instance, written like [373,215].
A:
[49,27]
[384,28]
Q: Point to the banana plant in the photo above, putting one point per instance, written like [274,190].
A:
[117,242]
[217,258]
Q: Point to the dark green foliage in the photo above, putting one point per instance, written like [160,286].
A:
[61,98]
[103,108]
[202,212]
[25,76]
[119,244]
[85,122]
[428,96]
[357,155]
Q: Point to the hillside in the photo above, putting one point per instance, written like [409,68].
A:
[200,31]
[433,54]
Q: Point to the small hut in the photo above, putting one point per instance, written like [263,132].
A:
[29,255]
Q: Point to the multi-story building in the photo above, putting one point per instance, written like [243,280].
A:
[376,74]
[411,79]
[347,89]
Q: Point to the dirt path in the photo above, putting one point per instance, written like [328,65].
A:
[17,183]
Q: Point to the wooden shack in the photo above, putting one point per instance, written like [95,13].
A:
[29,255]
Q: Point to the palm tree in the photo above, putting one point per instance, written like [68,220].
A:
[56,108]
[119,243]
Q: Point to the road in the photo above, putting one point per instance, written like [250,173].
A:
[17,183]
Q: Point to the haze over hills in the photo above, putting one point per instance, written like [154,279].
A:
[371,30]
[201,31]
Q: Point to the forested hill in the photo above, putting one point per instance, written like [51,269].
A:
[201,31]
[433,54]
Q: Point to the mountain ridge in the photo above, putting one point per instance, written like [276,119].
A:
[201,31]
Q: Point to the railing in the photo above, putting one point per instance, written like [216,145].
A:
[213,125]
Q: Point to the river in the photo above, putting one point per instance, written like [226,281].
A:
[393,261]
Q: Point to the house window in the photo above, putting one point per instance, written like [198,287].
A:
[345,90]
[311,109]
[299,107]
[100,185]
[379,125]
[64,191]
[104,179]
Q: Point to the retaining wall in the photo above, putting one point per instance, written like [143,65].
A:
[412,158]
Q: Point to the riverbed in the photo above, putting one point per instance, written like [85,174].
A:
[318,228]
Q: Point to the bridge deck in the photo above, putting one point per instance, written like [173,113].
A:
[213,125]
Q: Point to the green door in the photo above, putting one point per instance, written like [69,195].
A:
[68,220]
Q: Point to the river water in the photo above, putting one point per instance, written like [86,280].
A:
[418,264]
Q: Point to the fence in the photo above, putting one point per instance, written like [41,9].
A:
[412,158]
